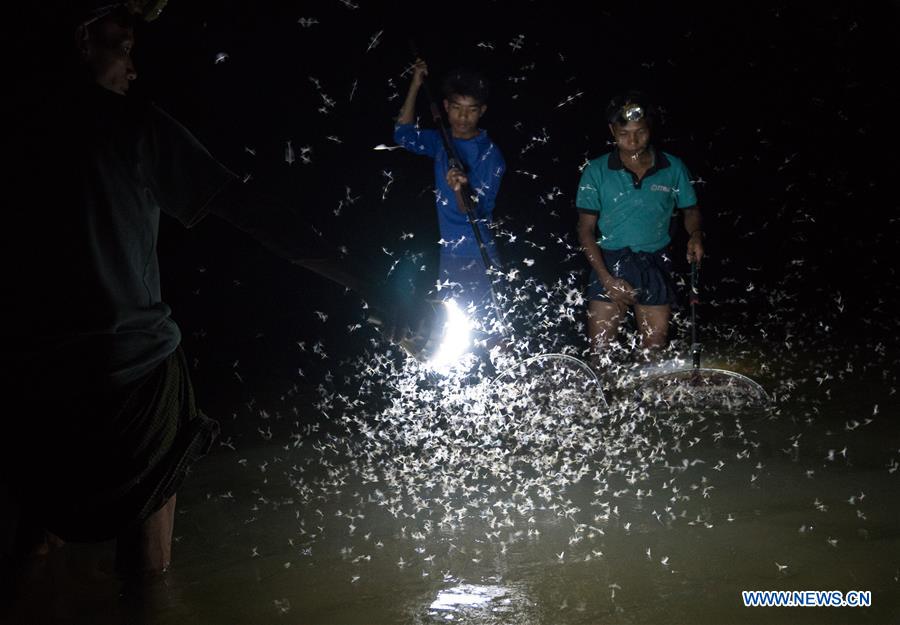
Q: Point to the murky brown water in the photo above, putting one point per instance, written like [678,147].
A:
[273,532]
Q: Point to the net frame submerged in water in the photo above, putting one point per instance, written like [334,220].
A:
[702,387]
[695,387]
[530,368]
[666,386]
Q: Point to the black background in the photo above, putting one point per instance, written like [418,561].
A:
[784,113]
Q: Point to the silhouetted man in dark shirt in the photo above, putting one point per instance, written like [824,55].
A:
[105,425]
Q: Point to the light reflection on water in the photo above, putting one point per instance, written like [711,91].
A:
[478,603]
[237,566]
[268,533]
[467,595]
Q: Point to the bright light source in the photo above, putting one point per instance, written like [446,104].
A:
[467,596]
[456,339]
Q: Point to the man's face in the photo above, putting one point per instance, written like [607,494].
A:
[464,112]
[106,48]
[631,138]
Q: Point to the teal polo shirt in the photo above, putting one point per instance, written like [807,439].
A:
[634,213]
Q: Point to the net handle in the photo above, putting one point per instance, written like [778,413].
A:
[696,347]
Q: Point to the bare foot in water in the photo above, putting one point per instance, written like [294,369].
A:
[33,540]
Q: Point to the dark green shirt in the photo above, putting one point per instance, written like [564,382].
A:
[95,171]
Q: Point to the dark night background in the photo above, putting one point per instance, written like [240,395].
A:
[784,114]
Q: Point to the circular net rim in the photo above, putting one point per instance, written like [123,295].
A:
[579,364]
[739,383]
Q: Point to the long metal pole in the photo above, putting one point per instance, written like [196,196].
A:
[696,347]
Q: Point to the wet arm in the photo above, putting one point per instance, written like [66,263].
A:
[408,110]
[693,223]
[587,229]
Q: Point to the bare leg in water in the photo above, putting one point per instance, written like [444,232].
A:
[146,550]
[653,325]
[604,319]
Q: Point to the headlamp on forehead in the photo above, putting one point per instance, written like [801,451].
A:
[632,112]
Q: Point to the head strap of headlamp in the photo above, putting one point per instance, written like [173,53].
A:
[148,10]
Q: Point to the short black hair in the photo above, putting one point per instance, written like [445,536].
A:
[57,39]
[122,16]
[74,13]
[615,111]
[464,82]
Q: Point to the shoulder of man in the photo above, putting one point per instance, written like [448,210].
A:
[487,141]
[483,138]
[160,121]
[674,161]
[599,164]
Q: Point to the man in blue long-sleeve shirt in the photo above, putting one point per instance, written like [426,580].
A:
[465,95]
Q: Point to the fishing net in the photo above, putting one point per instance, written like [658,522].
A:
[554,386]
[699,389]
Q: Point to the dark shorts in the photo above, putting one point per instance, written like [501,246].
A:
[650,273]
[91,466]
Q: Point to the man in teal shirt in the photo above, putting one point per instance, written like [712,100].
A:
[626,200]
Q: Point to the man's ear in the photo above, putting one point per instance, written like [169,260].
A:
[482,110]
[612,130]
[82,41]
[446,105]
